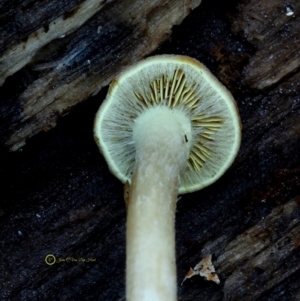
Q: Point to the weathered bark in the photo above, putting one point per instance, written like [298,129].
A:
[273,27]
[107,36]
[29,25]
[262,256]
[21,18]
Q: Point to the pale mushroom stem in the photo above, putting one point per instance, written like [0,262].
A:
[161,153]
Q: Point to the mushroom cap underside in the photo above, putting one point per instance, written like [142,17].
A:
[184,85]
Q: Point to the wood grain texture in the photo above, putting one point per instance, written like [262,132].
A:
[58,197]
[23,35]
[68,71]
[275,34]
[18,19]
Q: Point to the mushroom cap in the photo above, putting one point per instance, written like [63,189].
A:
[184,85]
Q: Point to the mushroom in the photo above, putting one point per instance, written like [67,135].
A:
[167,126]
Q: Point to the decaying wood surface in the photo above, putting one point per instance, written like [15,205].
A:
[262,256]
[71,50]
[26,26]
[58,197]
[273,27]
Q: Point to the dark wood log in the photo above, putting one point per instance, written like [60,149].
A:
[273,27]
[58,197]
[19,19]
[97,39]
